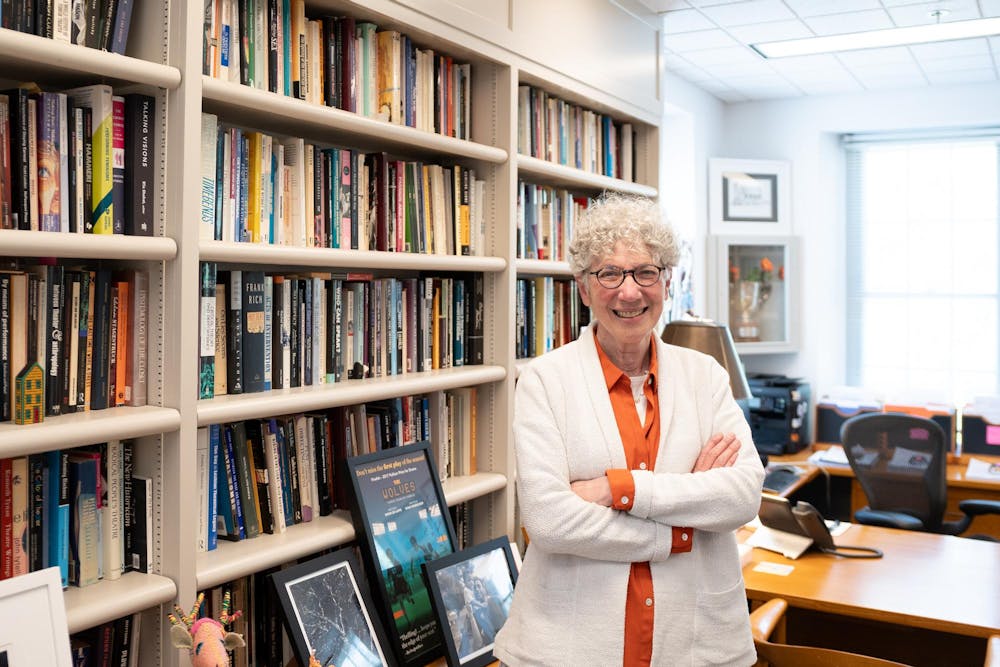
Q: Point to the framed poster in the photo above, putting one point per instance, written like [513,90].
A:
[402,521]
[471,591]
[329,613]
[34,631]
[748,196]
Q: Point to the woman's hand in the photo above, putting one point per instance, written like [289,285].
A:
[597,490]
[719,452]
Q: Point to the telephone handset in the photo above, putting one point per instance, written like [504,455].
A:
[803,519]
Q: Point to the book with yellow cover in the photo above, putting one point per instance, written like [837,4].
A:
[98,98]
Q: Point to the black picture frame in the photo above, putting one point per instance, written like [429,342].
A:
[326,607]
[749,197]
[471,591]
[401,520]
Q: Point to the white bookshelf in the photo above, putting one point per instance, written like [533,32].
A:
[164,59]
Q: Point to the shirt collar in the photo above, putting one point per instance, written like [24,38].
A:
[612,374]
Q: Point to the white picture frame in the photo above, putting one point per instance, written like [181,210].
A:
[35,630]
[749,197]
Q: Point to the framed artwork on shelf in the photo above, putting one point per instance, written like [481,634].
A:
[328,612]
[36,630]
[402,521]
[749,196]
[753,283]
[471,591]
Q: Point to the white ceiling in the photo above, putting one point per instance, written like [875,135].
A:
[707,43]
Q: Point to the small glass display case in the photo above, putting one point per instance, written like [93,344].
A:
[753,291]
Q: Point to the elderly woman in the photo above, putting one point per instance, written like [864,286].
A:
[632,475]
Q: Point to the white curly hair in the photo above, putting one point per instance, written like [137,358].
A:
[634,221]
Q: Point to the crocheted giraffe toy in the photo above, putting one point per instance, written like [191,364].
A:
[206,639]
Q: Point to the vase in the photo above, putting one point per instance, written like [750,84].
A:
[750,297]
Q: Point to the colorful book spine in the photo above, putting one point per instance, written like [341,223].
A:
[206,369]
[99,99]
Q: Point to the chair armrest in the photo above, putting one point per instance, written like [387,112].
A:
[871,517]
[765,618]
[977,507]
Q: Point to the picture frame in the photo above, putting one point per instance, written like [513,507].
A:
[36,631]
[471,591]
[401,519]
[749,196]
[314,593]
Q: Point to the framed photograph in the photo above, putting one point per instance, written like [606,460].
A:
[748,196]
[471,592]
[402,522]
[328,612]
[35,631]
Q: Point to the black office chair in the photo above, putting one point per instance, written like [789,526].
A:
[900,461]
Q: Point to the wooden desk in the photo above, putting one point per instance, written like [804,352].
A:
[959,486]
[930,598]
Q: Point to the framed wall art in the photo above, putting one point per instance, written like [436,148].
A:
[35,630]
[402,521]
[471,591]
[329,613]
[749,196]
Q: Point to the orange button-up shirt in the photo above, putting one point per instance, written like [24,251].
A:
[641,443]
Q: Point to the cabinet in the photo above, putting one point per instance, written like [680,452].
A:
[164,60]
[753,280]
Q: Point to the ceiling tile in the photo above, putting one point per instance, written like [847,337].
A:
[817,63]
[904,70]
[731,55]
[894,81]
[954,49]
[828,76]
[736,70]
[773,31]
[745,13]
[920,14]
[838,24]
[691,73]
[990,8]
[822,7]
[685,20]
[698,41]
[962,76]
[869,57]
[956,64]
[831,87]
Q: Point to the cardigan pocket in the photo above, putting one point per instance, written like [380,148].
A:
[722,627]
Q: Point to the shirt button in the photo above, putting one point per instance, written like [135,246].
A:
[642,466]
[649,602]
[624,500]
[684,537]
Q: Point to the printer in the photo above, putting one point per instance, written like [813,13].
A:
[778,413]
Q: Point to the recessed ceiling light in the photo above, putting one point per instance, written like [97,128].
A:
[920,34]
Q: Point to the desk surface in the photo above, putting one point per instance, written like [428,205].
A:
[936,582]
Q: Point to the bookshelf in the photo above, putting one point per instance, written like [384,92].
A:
[164,59]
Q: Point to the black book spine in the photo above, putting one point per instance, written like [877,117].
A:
[108,10]
[328,29]
[19,160]
[324,480]
[93,14]
[255,444]
[292,486]
[88,170]
[102,319]
[37,531]
[336,308]
[5,335]
[85,336]
[253,331]
[295,332]
[54,340]
[279,374]
[274,56]
[71,286]
[140,156]
[234,332]
[206,341]
[41,24]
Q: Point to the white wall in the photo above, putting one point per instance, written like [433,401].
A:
[806,131]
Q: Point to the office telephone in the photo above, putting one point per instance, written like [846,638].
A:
[804,519]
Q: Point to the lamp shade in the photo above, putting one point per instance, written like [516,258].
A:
[715,340]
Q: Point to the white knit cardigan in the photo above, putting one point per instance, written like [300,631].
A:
[569,602]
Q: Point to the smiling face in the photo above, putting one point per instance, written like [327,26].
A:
[627,314]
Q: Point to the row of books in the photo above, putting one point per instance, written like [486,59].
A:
[545,218]
[83,510]
[550,128]
[260,188]
[114,643]
[98,24]
[80,160]
[276,331]
[72,339]
[337,61]
[260,476]
[549,314]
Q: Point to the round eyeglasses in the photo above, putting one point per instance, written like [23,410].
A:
[645,275]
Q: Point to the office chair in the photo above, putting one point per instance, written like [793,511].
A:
[900,461]
[769,616]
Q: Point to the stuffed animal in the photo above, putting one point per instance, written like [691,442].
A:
[206,639]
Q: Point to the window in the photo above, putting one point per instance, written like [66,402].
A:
[922,264]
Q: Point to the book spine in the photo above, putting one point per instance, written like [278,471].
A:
[140,158]
[55,335]
[142,527]
[118,164]
[71,344]
[253,328]
[272,457]
[57,517]
[120,28]
[232,483]
[98,99]
[234,338]
[206,370]
[123,344]
[48,146]
[136,373]
[6,392]
[85,371]
[256,438]
[112,539]
[84,527]
[212,491]
[221,354]
[245,481]
[128,505]
[37,504]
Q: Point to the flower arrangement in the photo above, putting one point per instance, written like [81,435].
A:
[763,273]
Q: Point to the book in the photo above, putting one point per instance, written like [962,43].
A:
[272,458]
[6,221]
[255,434]
[128,504]
[6,388]
[49,146]
[142,524]
[85,532]
[20,492]
[113,509]
[54,335]
[118,164]
[120,26]
[233,281]
[204,470]
[253,329]
[233,485]
[99,99]
[38,539]
[221,387]
[207,331]
[140,158]
[245,478]
[136,372]
[20,163]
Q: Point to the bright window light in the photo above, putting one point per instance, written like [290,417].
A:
[937,32]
